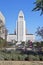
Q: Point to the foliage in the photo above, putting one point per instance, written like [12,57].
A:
[28,44]
[34,58]
[14,55]
[40,32]
[3,43]
[23,43]
[38,6]
[18,55]
[38,45]
[41,57]
[11,56]
[41,43]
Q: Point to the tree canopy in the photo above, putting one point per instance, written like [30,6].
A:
[40,31]
[38,6]
[3,42]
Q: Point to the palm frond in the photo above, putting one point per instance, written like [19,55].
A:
[38,6]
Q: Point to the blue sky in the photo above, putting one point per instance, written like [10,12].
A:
[11,8]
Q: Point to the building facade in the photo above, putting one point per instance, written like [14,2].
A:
[3,30]
[21,35]
[20,32]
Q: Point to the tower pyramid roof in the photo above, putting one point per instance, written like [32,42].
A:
[21,13]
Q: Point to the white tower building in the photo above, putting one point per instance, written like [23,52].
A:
[21,28]
[21,35]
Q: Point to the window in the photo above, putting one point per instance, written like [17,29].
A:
[21,16]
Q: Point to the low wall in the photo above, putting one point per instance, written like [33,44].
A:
[21,62]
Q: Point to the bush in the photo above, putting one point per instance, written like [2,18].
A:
[41,57]
[33,58]
[42,43]
[14,55]
[3,43]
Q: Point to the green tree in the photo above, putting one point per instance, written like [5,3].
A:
[28,43]
[38,6]
[39,32]
[3,43]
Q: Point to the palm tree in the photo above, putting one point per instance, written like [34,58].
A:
[38,6]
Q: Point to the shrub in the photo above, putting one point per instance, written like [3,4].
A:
[34,58]
[42,43]
[3,43]
[41,57]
